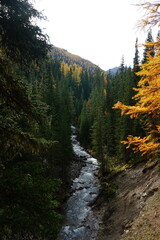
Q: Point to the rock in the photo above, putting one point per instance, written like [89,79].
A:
[152,191]
[144,195]
[80,188]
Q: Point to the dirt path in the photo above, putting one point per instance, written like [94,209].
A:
[137,188]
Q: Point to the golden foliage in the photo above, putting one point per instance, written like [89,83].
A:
[148,105]
[105,79]
[148,91]
[65,68]
[105,92]
[37,68]
[74,68]
[144,145]
[76,73]
[148,94]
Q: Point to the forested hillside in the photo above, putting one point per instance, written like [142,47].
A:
[43,91]
[63,55]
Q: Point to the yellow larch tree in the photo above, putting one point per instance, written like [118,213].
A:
[147,98]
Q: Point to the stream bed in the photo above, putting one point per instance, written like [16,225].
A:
[79,221]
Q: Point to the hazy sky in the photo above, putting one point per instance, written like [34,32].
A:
[98,30]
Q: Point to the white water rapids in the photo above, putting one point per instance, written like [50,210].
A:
[80,222]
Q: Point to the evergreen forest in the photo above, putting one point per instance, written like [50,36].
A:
[41,96]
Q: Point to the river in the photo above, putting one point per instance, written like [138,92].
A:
[80,222]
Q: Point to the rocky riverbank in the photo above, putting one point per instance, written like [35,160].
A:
[76,166]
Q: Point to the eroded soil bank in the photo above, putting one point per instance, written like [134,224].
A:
[135,208]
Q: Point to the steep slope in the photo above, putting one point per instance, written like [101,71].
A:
[134,214]
[64,55]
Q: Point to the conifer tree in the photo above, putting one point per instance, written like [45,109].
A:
[147,96]
[24,174]
[136,64]
[148,48]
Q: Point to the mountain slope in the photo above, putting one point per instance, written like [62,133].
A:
[113,71]
[64,55]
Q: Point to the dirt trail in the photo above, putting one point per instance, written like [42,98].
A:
[137,187]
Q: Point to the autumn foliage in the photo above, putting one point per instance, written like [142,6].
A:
[147,107]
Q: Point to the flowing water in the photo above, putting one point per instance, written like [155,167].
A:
[80,222]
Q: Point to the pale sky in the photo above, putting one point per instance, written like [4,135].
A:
[101,31]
